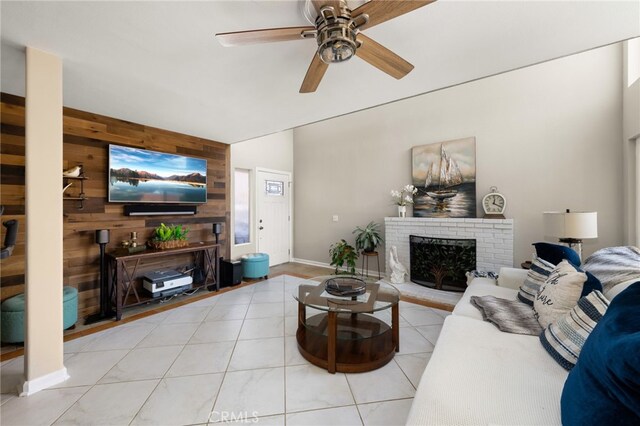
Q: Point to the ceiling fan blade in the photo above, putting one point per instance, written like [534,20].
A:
[269,35]
[382,58]
[317,4]
[380,11]
[316,71]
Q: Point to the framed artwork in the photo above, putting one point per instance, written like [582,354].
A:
[445,175]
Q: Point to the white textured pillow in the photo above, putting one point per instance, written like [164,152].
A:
[559,293]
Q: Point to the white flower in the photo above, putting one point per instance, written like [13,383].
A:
[405,195]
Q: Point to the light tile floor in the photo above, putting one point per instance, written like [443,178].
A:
[233,355]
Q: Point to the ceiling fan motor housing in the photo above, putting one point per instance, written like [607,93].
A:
[336,34]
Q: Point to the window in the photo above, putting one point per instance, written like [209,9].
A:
[241,206]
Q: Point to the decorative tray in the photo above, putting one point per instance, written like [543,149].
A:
[345,286]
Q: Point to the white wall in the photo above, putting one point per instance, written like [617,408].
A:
[631,139]
[270,152]
[547,136]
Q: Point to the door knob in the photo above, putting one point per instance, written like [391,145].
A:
[261,228]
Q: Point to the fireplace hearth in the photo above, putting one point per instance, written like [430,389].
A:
[441,263]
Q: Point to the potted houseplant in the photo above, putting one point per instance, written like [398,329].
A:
[368,238]
[403,197]
[341,253]
[173,236]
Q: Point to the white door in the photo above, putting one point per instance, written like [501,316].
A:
[273,215]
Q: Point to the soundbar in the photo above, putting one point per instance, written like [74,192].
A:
[158,210]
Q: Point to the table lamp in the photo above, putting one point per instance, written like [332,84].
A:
[571,227]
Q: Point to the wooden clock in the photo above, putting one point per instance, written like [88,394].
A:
[494,204]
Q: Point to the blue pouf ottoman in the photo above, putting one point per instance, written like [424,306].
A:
[12,315]
[12,320]
[255,265]
[69,307]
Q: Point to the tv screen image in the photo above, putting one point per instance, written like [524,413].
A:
[143,176]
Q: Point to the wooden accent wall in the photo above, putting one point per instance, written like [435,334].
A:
[86,140]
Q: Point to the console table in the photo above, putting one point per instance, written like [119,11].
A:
[122,269]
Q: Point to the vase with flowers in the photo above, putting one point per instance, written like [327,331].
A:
[403,198]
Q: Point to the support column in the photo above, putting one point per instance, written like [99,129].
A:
[44,352]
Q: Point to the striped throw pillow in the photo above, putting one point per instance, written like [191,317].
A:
[538,274]
[563,339]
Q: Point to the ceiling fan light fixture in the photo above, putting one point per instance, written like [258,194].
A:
[336,52]
[337,49]
[336,35]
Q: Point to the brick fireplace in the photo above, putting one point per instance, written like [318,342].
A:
[494,237]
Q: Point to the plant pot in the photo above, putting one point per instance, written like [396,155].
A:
[402,211]
[163,245]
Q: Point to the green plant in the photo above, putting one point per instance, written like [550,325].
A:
[169,233]
[341,253]
[179,232]
[368,238]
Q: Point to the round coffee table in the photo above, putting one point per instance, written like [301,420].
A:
[348,334]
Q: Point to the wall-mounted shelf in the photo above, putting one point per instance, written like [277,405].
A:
[80,197]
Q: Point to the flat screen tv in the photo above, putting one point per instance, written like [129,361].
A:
[143,176]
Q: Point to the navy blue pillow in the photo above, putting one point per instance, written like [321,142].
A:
[604,386]
[555,253]
[592,283]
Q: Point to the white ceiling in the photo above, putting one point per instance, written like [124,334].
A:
[158,63]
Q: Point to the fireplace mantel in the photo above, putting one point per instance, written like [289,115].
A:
[494,237]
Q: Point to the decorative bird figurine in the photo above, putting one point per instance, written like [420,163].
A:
[398,270]
[72,172]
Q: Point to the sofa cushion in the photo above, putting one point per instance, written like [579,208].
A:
[559,293]
[464,306]
[556,253]
[563,339]
[614,265]
[537,275]
[604,386]
[480,376]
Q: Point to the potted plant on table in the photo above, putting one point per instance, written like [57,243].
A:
[173,236]
[341,253]
[368,238]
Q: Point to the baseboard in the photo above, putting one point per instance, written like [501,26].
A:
[371,273]
[312,263]
[29,387]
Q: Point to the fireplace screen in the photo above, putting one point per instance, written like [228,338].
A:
[441,263]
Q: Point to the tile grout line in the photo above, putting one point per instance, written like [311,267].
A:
[224,376]
[164,376]
[155,326]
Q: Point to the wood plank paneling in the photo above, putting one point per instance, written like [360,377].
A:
[86,140]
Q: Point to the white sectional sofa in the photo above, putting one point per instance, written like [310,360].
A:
[479,375]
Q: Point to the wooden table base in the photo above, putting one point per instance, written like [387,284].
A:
[323,346]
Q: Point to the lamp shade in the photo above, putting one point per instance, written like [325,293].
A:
[575,225]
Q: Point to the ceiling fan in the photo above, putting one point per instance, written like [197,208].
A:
[338,34]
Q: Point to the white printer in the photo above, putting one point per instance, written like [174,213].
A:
[166,282]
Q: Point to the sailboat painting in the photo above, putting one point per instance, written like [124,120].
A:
[445,175]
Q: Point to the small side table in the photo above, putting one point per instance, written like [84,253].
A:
[365,258]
